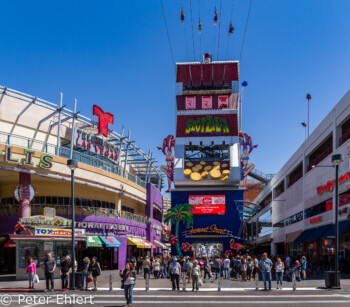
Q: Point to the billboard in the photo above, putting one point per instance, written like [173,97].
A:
[206,125]
[208,204]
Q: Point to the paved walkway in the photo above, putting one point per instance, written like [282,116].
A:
[316,283]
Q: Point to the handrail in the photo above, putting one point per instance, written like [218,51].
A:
[25,142]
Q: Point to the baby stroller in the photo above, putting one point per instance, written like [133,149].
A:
[288,274]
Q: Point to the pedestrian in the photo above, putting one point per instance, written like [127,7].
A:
[227,267]
[201,265]
[265,266]
[249,268]
[146,267]
[207,270]
[138,265]
[218,264]
[175,271]
[30,272]
[195,273]
[95,271]
[164,267]
[238,267]
[65,269]
[244,269]
[156,268]
[189,269]
[49,267]
[255,266]
[303,266]
[279,272]
[85,273]
[128,281]
[296,270]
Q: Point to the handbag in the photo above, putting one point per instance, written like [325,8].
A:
[89,279]
[36,279]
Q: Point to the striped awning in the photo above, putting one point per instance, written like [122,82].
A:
[160,244]
[147,244]
[135,242]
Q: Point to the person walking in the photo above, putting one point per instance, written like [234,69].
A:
[175,272]
[218,264]
[49,267]
[189,269]
[279,267]
[303,266]
[207,270]
[164,266]
[250,265]
[227,267]
[201,265]
[95,271]
[238,267]
[65,269]
[156,268]
[195,273]
[138,264]
[265,266]
[146,267]
[255,266]
[85,273]
[128,281]
[30,272]
[244,269]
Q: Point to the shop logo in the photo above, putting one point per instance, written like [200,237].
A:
[328,187]
[104,118]
[316,219]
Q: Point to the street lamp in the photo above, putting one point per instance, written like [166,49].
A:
[73,164]
[336,160]
[304,125]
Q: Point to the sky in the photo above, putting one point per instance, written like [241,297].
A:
[116,54]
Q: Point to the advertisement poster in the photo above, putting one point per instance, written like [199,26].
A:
[223,102]
[190,102]
[208,204]
[207,102]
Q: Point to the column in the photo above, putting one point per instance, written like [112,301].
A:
[24,203]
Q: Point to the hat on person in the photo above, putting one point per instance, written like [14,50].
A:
[175,259]
[297,261]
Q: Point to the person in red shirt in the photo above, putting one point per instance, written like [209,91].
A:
[19,227]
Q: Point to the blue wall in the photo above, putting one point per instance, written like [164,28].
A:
[230,221]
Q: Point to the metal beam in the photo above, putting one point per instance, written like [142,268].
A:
[52,114]
[58,148]
[27,107]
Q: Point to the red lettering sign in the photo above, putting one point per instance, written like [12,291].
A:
[104,118]
[316,219]
[328,187]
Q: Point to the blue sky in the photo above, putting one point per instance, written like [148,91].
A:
[116,54]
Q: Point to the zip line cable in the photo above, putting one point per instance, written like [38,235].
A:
[200,30]
[228,39]
[194,50]
[219,32]
[185,34]
[167,32]
[245,30]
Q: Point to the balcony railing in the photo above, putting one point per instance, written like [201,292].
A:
[345,136]
[20,141]
[320,157]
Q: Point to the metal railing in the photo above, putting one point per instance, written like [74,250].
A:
[25,142]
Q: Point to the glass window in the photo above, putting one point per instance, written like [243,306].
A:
[28,250]
[63,249]
[46,247]
[265,224]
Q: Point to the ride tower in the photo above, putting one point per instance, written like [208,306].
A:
[207,169]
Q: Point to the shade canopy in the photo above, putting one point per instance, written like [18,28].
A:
[110,241]
[93,241]
[135,242]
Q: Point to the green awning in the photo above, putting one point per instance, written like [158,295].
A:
[93,241]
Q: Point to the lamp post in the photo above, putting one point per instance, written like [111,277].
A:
[308,97]
[304,125]
[73,164]
[336,160]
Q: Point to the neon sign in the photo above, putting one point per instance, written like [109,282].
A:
[207,125]
[104,118]
[328,187]
[210,229]
[316,219]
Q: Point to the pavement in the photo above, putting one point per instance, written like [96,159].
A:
[311,292]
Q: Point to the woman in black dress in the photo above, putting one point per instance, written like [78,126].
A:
[95,271]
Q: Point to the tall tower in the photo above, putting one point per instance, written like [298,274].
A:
[207,165]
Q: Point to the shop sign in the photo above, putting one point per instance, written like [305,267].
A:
[316,219]
[203,125]
[104,118]
[42,220]
[56,232]
[44,163]
[96,144]
[209,231]
[328,187]
[158,229]
[91,225]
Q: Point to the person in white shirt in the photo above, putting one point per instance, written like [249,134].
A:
[227,267]
[195,273]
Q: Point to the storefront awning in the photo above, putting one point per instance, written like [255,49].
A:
[10,243]
[135,242]
[110,241]
[290,237]
[147,244]
[304,235]
[343,226]
[159,244]
[93,241]
[318,233]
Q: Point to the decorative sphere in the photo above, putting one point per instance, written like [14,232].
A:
[244,83]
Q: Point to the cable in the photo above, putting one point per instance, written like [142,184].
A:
[219,32]
[194,50]
[245,30]
[200,34]
[167,32]
[214,33]
[185,34]
[228,39]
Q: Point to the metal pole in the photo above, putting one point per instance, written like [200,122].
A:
[59,127]
[126,154]
[73,230]
[147,282]
[240,110]
[183,282]
[337,281]
[120,147]
[294,282]
[308,117]
[73,126]
[256,282]
[219,283]
[110,282]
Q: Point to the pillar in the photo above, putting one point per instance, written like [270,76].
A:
[24,203]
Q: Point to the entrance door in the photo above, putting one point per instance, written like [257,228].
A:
[207,249]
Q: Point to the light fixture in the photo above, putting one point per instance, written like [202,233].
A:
[304,124]
[337,159]
[72,164]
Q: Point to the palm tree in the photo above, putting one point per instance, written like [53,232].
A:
[177,214]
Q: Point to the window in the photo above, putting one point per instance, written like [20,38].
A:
[321,152]
[46,247]
[28,250]
[266,201]
[128,209]
[63,249]
[265,224]
[345,132]
[279,189]
[295,175]
[279,225]
[294,218]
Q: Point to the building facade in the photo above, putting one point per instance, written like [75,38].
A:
[118,204]
[297,213]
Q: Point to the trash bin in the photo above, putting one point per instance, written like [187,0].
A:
[330,279]
[78,280]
